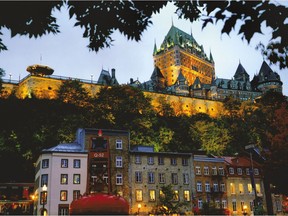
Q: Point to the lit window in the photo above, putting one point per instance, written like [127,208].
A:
[63,195]
[176,195]
[241,189]
[150,160]
[138,177]
[185,178]
[138,159]
[119,179]
[45,163]
[232,188]
[186,195]
[250,190]
[76,163]
[258,188]
[174,178]
[199,186]
[64,163]
[119,144]
[231,170]
[151,178]
[239,171]
[64,179]
[160,160]
[152,195]
[118,161]
[139,195]
[76,179]
[198,170]
[206,170]
[161,177]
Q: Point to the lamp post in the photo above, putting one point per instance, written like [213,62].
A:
[44,199]
[139,206]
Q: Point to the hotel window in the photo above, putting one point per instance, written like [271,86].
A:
[161,177]
[138,159]
[160,160]
[232,188]
[184,161]
[176,195]
[173,161]
[231,170]
[222,187]
[241,189]
[247,171]
[250,190]
[139,195]
[234,205]
[119,144]
[119,179]
[64,179]
[151,177]
[45,163]
[76,194]
[215,187]
[138,177]
[186,195]
[174,177]
[63,195]
[185,178]
[152,195]
[76,163]
[64,163]
[258,188]
[224,204]
[239,171]
[76,179]
[199,186]
[119,161]
[256,172]
[206,170]
[207,186]
[221,171]
[44,180]
[214,171]
[198,170]
[200,203]
[150,160]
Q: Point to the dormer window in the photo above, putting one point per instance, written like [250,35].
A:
[231,170]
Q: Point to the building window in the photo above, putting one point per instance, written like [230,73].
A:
[45,163]
[76,194]
[64,179]
[251,205]
[173,161]
[137,159]
[63,209]
[118,161]
[250,190]
[119,179]
[224,204]
[160,160]
[215,187]
[206,170]
[139,195]
[64,163]
[63,195]
[256,171]
[76,179]
[151,177]
[76,163]
[176,195]
[184,161]
[221,171]
[150,160]
[239,171]
[217,203]
[198,170]
[222,187]
[232,188]
[258,189]
[214,171]
[247,171]
[185,178]
[199,186]
[162,178]
[207,186]
[138,177]
[241,189]
[174,177]
[186,195]
[119,144]
[231,170]
[152,195]
[234,205]
[44,180]
[200,203]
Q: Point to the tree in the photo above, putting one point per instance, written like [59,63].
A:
[131,18]
[2,73]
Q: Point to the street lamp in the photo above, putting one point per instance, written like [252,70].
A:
[91,78]
[139,206]
[44,199]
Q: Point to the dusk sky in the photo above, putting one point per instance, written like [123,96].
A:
[68,55]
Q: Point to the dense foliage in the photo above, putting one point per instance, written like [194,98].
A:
[131,18]
[27,126]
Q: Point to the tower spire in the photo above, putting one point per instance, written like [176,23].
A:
[172,20]
[155,47]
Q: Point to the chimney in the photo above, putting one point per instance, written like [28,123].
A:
[113,73]
[131,80]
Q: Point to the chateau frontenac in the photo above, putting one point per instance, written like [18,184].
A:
[183,75]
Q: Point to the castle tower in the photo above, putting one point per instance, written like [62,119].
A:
[180,52]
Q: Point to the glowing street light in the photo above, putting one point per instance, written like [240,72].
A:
[139,207]
[44,199]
